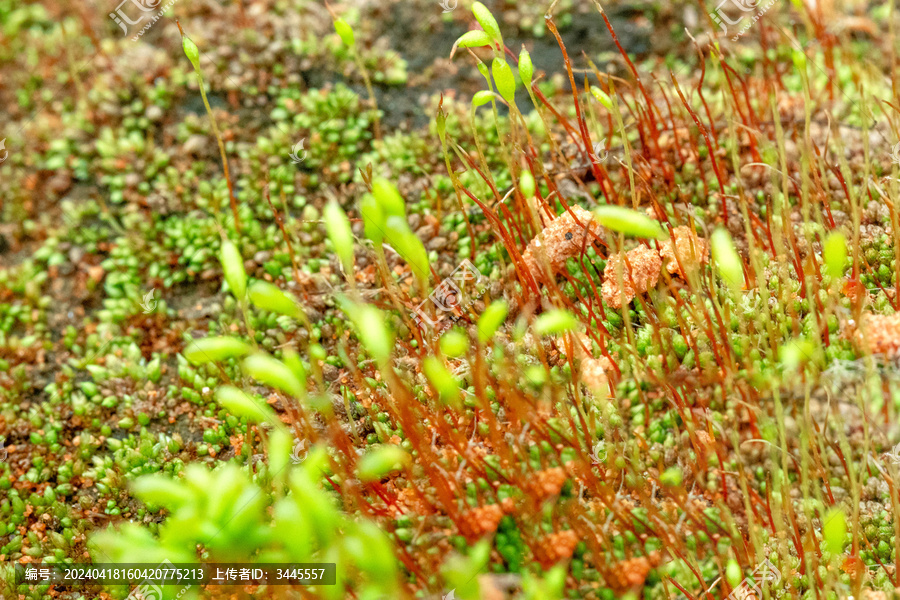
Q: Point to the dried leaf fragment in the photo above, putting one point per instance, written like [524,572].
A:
[562,239]
[684,248]
[879,334]
[640,272]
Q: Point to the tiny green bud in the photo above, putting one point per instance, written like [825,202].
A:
[603,98]
[271,371]
[504,79]
[794,353]
[473,39]
[380,462]
[233,268]
[834,530]
[671,477]
[371,327]
[214,349]
[345,32]
[727,260]
[628,221]
[482,68]
[373,219]
[526,184]
[454,343]
[192,52]
[267,296]
[240,404]
[491,319]
[408,246]
[440,120]
[555,322]
[442,379]
[481,98]
[340,234]
[526,68]
[799,58]
[834,253]
[733,573]
[389,198]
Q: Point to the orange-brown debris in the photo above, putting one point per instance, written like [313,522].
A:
[547,483]
[593,374]
[879,334]
[856,292]
[593,370]
[556,547]
[854,567]
[684,247]
[559,241]
[481,520]
[640,272]
[630,575]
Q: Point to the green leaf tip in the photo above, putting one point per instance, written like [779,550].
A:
[603,98]
[233,268]
[339,232]
[241,404]
[268,297]
[491,320]
[472,39]
[726,259]
[555,322]
[380,462]
[628,221]
[215,349]
[487,22]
